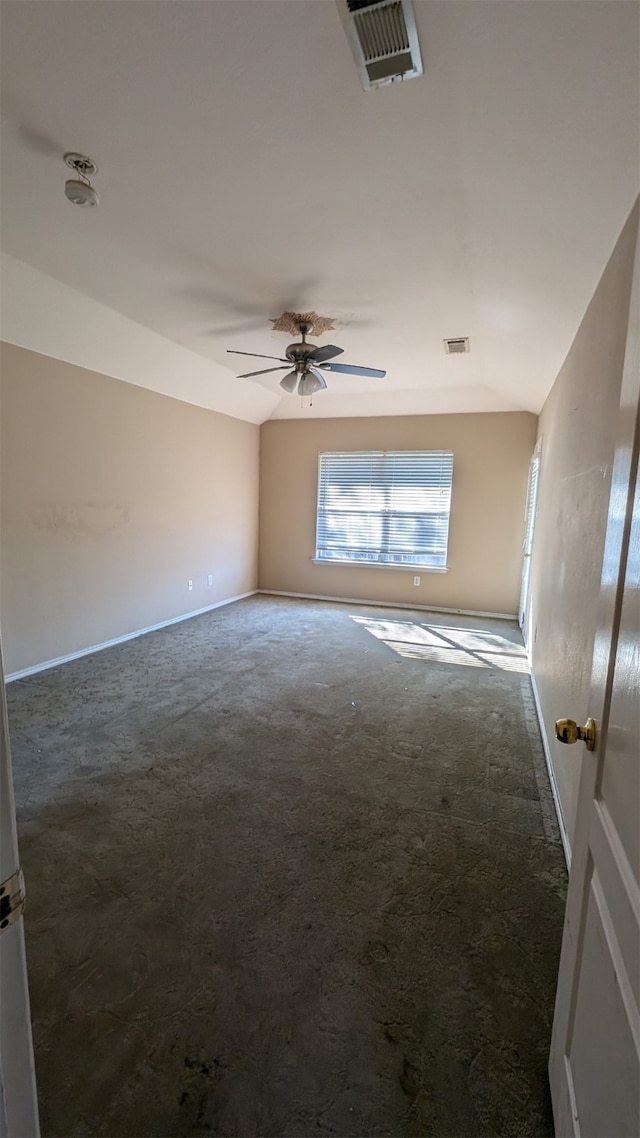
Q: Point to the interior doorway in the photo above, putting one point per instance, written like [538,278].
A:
[530,521]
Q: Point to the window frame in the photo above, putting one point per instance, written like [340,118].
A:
[386,515]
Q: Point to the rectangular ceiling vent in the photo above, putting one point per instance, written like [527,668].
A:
[383,39]
[458,344]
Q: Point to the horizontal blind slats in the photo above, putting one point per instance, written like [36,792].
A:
[384,506]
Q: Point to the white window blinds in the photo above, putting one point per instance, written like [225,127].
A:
[384,507]
[532,498]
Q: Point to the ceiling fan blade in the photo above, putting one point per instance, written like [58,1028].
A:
[249,374]
[327,352]
[260,355]
[352,369]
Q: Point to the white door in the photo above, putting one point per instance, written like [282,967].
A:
[18,1103]
[594,1065]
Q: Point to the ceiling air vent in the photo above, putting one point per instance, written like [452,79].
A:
[458,344]
[383,39]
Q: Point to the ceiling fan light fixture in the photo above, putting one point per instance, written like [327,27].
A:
[309,384]
[288,382]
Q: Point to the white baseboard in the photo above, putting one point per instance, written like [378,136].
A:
[24,672]
[566,845]
[388,604]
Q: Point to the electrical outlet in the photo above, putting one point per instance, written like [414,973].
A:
[210,579]
[190,586]
[416,580]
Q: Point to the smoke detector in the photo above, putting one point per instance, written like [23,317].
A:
[79,191]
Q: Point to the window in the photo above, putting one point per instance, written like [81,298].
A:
[384,508]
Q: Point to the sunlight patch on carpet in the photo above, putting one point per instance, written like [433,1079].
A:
[444,644]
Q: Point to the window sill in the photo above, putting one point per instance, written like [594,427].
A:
[381,565]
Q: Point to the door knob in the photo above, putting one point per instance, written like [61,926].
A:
[567,731]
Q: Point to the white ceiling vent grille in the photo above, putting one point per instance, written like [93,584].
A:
[383,39]
[458,344]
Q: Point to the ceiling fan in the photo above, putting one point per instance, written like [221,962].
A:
[308,363]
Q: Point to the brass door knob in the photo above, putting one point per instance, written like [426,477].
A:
[567,731]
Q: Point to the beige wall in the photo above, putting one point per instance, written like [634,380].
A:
[491,456]
[577,428]
[113,497]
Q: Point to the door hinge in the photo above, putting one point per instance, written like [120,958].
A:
[12,899]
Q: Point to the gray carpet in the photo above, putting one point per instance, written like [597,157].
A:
[292,869]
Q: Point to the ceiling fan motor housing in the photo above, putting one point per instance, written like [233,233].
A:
[299,352]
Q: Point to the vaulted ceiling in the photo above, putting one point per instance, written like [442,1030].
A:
[243,171]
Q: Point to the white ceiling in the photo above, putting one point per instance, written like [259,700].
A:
[242,170]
